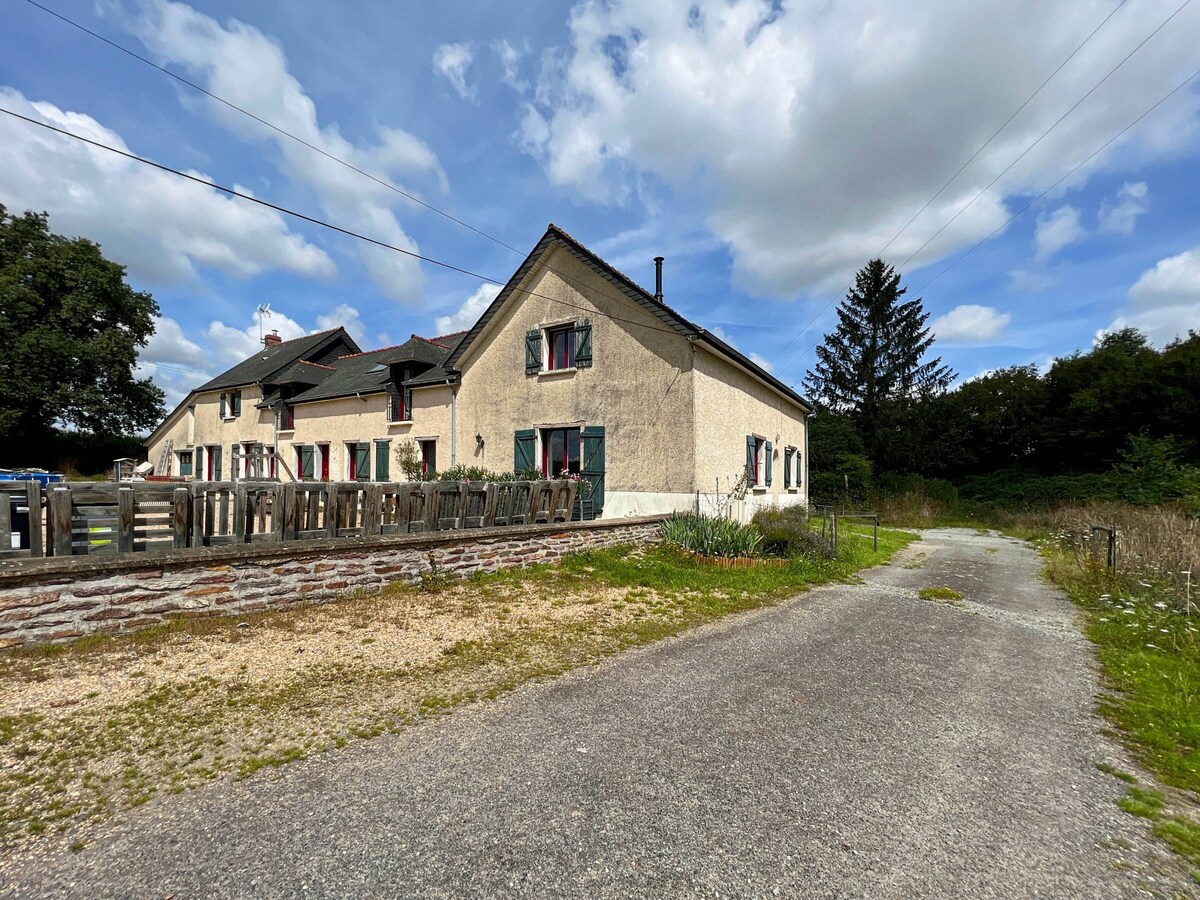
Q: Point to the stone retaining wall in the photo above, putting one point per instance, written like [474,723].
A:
[62,598]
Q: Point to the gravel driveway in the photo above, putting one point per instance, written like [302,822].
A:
[854,742]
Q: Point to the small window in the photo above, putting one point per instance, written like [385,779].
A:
[358,456]
[397,408]
[560,348]
[185,462]
[758,461]
[560,452]
[428,458]
[231,405]
[287,418]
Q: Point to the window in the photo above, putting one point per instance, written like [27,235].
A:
[214,463]
[382,454]
[323,452]
[758,461]
[560,348]
[306,463]
[287,418]
[788,452]
[185,462]
[397,408]
[231,405]
[560,452]
[428,457]
[358,461]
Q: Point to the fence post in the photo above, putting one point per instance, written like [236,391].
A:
[372,509]
[125,511]
[179,521]
[331,509]
[1112,549]
[833,531]
[60,520]
[239,512]
[875,543]
[33,499]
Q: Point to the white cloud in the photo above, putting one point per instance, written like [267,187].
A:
[452,61]
[240,63]
[813,132]
[510,60]
[970,324]
[1165,300]
[1030,281]
[1057,230]
[468,314]
[763,362]
[1119,216]
[170,345]
[158,225]
[231,344]
[345,316]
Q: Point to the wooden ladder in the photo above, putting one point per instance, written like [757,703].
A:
[164,458]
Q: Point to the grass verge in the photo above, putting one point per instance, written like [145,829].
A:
[105,724]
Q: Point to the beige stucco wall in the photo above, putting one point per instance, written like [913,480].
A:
[638,386]
[336,422]
[731,404]
[198,423]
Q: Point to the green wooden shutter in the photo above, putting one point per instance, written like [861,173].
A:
[223,404]
[751,468]
[767,464]
[583,345]
[787,466]
[524,450]
[533,351]
[307,463]
[198,464]
[235,456]
[216,455]
[382,453]
[592,466]
[799,470]
[362,462]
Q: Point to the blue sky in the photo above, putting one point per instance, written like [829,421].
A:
[766,149]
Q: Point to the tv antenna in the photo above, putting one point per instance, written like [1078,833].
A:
[264,310]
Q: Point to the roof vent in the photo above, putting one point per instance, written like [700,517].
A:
[658,261]
[272,340]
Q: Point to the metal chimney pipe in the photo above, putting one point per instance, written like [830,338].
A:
[658,261]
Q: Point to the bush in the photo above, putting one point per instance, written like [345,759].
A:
[786,532]
[710,536]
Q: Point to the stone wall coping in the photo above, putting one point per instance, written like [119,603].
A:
[17,572]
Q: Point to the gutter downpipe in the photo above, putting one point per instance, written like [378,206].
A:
[453,423]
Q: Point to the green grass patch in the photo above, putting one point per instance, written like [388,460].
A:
[1142,802]
[941,594]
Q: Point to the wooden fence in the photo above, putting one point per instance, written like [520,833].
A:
[90,518]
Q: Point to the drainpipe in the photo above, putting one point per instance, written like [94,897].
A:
[453,423]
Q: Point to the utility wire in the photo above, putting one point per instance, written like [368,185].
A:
[1175,90]
[975,156]
[337,159]
[1021,156]
[283,131]
[322,223]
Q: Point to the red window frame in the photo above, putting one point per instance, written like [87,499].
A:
[428,456]
[560,344]
[570,443]
[323,450]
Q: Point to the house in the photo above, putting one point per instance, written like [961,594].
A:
[572,368]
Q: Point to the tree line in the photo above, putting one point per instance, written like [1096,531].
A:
[1120,420]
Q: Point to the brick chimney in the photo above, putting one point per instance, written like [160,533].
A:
[272,339]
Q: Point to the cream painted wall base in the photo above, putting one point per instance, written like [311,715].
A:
[620,504]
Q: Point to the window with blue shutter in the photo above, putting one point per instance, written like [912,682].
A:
[751,460]
[787,466]
[533,351]
[767,464]
[583,345]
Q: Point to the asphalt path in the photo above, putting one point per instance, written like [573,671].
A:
[855,741]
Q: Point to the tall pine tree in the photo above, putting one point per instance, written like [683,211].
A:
[872,367]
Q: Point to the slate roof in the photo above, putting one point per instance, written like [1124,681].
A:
[268,361]
[369,372]
[669,318]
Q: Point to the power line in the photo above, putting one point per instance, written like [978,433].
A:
[322,223]
[1175,90]
[337,159]
[1021,156]
[973,157]
[375,178]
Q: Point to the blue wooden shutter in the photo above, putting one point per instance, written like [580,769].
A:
[767,464]
[533,351]
[787,466]
[524,450]
[592,466]
[382,460]
[751,468]
[583,345]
